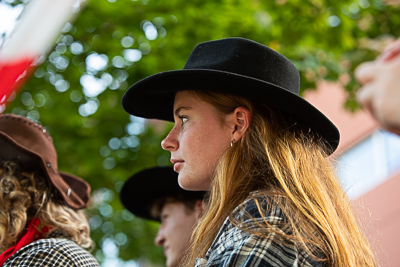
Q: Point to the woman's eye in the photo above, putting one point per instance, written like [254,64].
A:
[183,119]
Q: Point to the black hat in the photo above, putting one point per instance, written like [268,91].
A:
[236,66]
[141,190]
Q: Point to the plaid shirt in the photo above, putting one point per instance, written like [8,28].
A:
[52,252]
[235,247]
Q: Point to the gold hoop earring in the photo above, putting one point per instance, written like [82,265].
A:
[233,140]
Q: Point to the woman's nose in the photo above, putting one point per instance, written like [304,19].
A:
[170,142]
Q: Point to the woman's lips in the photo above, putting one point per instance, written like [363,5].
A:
[178,165]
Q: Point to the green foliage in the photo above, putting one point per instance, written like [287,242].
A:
[76,91]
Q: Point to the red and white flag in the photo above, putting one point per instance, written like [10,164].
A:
[37,29]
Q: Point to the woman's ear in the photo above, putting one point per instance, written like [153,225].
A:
[242,121]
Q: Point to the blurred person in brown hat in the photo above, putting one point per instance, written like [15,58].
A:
[154,194]
[41,217]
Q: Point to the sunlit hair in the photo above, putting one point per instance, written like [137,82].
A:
[280,157]
[24,196]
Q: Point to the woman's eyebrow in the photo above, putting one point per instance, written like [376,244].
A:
[181,108]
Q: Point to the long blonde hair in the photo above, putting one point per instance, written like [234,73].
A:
[280,156]
[27,195]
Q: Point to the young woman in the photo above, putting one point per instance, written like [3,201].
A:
[242,132]
[41,217]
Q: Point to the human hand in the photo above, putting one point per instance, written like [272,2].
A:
[380,93]
[391,2]
[391,51]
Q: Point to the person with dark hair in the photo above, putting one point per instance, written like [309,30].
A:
[154,194]
[243,133]
[41,217]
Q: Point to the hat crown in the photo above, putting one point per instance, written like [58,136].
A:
[140,192]
[248,58]
[31,136]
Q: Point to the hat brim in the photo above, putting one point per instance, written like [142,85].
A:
[79,195]
[153,97]
[80,191]
[142,189]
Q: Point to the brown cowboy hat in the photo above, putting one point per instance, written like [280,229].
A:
[142,189]
[29,143]
[235,66]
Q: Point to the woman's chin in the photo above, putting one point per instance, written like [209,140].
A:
[191,183]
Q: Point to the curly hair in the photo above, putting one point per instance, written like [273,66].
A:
[27,195]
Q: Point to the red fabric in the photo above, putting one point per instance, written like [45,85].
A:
[35,231]
[12,75]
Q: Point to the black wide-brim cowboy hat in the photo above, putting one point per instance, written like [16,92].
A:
[236,66]
[28,143]
[141,190]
